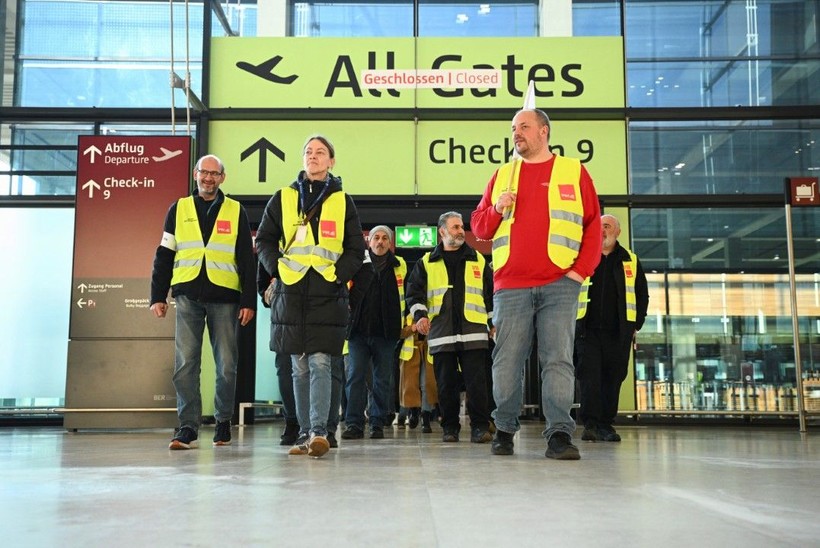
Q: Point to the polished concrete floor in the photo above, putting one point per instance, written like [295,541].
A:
[661,486]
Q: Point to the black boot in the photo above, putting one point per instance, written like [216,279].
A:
[291,433]
[414,417]
[425,422]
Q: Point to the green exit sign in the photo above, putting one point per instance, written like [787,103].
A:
[416,236]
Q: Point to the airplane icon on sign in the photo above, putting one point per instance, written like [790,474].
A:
[168,154]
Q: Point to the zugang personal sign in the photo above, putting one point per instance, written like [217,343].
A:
[317,73]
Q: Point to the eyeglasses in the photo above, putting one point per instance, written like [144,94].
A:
[205,173]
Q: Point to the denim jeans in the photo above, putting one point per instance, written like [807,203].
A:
[382,352]
[312,390]
[284,373]
[547,311]
[222,321]
[337,375]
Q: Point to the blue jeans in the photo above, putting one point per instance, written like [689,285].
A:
[222,320]
[312,390]
[548,311]
[337,375]
[383,353]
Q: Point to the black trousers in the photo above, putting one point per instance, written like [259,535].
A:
[601,371]
[473,376]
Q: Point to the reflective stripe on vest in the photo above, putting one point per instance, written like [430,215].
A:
[566,211]
[401,273]
[630,273]
[220,253]
[438,283]
[301,256]
[583,299]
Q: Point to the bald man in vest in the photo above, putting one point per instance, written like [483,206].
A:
[206,259]
[541,212]
[618,299]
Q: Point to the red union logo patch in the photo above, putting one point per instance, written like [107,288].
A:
[399,280]
[628,271]
[328,229]
[223,227]
[476,271]
[567,192]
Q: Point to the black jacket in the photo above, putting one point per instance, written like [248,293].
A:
[625,328]
[375,307]
[311,315]
[451,320]
[202,289]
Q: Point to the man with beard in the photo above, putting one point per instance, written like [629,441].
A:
[449,295]
[541,211]
[608,323]
[376,312]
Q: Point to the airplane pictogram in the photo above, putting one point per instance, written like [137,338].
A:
[265,70]
[168,154]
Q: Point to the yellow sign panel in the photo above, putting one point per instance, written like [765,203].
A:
[325,73]
[372,158]
[397,158]
[461,157]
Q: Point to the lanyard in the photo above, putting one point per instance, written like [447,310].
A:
[319,198]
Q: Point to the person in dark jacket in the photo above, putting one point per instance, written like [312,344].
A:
[310,242]
[450,295]
[284,375]
[206,259]
[618,299]
[376,311]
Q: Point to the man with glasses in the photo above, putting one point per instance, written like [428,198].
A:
[206,259]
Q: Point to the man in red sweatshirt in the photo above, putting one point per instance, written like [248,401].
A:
[542,213]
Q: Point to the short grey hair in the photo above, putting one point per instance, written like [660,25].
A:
[213,157]
[380,228]
[442,220]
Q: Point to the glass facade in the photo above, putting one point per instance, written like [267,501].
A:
[718,264]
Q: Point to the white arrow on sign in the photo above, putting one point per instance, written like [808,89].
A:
[406,236]
[92,150]
[91,185]
[80,303]
[82,287]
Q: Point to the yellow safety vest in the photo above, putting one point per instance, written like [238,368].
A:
[630,274]
[408,346]
[401,273]
[438,283]
[220,253]
[566,211]
[301,256]
[583,299]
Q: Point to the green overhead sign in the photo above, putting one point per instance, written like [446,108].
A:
[416,236]
[395,158]
[332,73]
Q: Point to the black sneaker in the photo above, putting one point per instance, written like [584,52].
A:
[376,433]
[502,443]
[607,433]
[480,436]
[300,446]
[184,438]
[352,432]
[331,439]
[222,436]
[450,436]
[560,447]
[590,434]
[290,435]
